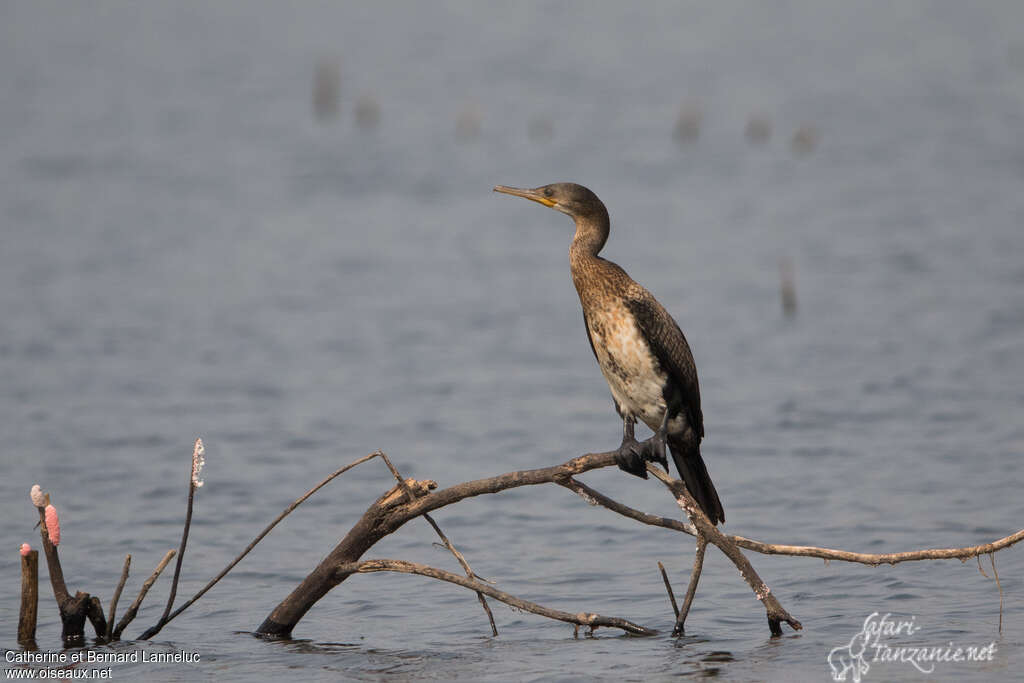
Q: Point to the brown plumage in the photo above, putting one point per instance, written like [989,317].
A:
[640,349]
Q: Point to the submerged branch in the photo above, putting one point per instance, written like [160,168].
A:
[580,619]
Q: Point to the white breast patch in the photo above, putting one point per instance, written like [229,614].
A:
[634,377]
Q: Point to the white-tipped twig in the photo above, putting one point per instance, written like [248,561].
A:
[193,483]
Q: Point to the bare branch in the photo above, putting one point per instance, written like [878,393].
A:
[465,566]
[691,590]
[146,585]
[597,498]
[56,572]
[999,585]
[882,558]
[117,595]
[581,619]
[668,587]
[774,611]
[394,509]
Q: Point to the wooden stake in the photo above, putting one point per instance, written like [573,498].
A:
[29,598]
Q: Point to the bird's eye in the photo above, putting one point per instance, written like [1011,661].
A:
[548,192]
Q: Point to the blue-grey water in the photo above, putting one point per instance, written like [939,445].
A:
[186,250]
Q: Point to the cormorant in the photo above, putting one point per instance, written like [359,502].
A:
[639,347]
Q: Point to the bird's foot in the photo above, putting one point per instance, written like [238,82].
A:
[631,456]
[653,450]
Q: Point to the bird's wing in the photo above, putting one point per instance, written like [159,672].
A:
[586,324]
[670,348]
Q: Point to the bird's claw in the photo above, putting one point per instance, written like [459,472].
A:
[630,458]
[654,450]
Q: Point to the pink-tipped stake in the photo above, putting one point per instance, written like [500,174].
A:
[52,525]
[25,549]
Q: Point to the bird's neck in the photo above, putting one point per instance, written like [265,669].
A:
[584,263]
[591,234]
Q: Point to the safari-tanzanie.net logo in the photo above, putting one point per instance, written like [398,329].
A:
[879,642]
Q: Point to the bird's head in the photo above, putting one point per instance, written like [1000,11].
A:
[569,198]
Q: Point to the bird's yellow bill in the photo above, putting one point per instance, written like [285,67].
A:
[533,195]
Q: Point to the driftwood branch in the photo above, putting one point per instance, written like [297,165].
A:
[411,498]
[579,619]
[396,507]
[389,513]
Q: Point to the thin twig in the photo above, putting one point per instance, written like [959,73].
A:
[444,539]
[874,560]
[595,497]
[466,567]
[691,590]
[668,587]
[117,595]
[582,618]
[999,585]
[146,585]
[394,471]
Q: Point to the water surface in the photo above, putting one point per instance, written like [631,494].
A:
[187,251]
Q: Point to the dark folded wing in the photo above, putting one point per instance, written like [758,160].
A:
[586,324]
[673,353]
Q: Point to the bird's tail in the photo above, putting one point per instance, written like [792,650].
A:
[691,468]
